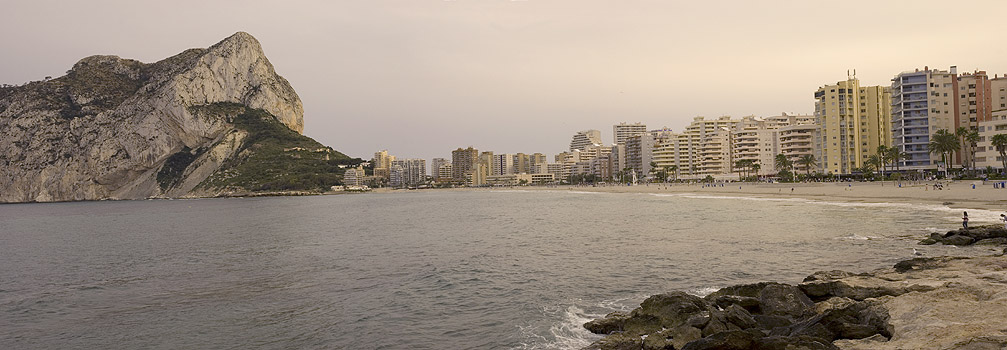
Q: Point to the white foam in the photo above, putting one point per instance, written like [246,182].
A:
[702,292]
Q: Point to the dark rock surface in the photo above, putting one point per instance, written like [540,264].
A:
[987,234]
[829,305]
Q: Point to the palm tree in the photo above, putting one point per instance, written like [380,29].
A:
[782,163]
[807,161]
[896,155]
[743,166]
[972,139]
[884,155]
[755,169]
[962,133]
[945,144]
[1000,142]
[674,170]
[877,162]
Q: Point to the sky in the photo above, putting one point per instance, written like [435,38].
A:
[420,78]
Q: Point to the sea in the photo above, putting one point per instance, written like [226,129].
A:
[479,269]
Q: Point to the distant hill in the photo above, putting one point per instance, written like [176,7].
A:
[205,122]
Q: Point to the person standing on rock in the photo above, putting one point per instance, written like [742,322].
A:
[965,220]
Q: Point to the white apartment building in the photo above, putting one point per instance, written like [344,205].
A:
[584,139]
[354,176]
[622,131]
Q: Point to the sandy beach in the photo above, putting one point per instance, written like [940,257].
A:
[954,194]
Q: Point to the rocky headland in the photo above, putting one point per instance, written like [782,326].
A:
[205,122]
[923,303]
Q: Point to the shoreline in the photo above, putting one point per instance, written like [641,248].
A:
[954,195]
[958,194]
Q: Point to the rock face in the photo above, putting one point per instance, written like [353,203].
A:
[109,127]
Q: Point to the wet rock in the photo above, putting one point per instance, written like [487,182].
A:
[729,340]
[744,290]
[992,241]
[959,240]
[617,342]
[740,317]
[671,309]
[698,320]
[828,275]
[770,322]
[923,263]
[611,323]
[785,300]
[749,303]
[794,343]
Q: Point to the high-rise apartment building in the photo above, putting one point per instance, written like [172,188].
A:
[503,164]
[413,171]
[382,164]
[435,166]
[584,139]
[622,131]
[685,150]
[463,161]
[522,164]
[537,163]
[922,102]
[854,120]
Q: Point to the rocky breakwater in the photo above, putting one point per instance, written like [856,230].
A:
[923,303]
[115,128]
[981,235]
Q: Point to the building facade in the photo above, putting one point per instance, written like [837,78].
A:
[622,131]
[584,139]
[853,120]
[463,161]
[922,102]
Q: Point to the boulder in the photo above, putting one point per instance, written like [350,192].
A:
[611,323]
[744,290]
[959,240]
[785,300]
[749,303]
[617,342]
[671,309]
[740,317]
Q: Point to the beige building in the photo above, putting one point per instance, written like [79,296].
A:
[584,139]
[463,161]
[622,131]
[854,120]
[354,176]
[986,154]
[690,151]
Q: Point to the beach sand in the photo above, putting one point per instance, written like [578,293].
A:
[953,194]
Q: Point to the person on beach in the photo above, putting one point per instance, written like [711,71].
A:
[965,220]
[1004,219]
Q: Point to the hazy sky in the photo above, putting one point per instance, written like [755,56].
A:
[423,77]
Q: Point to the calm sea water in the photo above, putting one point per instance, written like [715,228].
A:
[416,270]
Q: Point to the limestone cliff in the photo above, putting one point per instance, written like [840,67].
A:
[111,128]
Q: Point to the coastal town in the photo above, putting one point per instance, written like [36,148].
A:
[927,123]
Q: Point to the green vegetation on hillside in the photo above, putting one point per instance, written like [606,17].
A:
[275,158]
